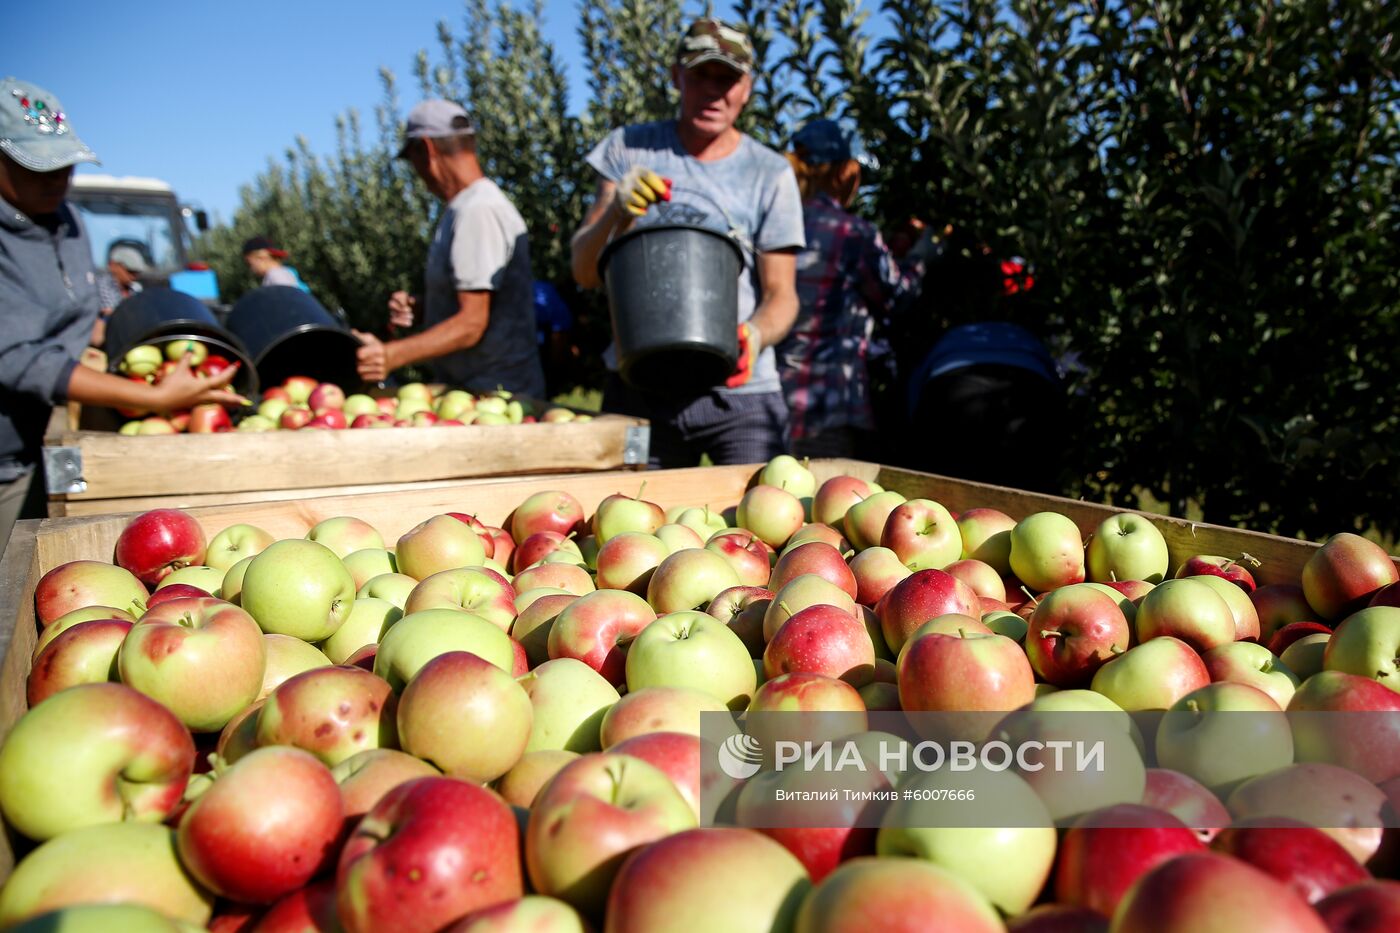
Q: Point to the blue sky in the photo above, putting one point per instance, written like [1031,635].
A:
[201,93]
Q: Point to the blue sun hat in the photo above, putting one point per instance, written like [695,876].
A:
[35,131]
[825,141]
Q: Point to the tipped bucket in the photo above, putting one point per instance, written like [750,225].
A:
[158,315]
[289,333]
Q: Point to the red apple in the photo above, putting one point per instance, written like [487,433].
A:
[597,629]
[1072,632]
[1106,851]
[83,654]
[1223,567]
[1279,604]
[332,712]
[1058,918]
[158,542]
[816,558]
[1341,576]
[924,595]
[836,496]
[1368,907]
[308,910]
[626,561]
[547,511]
[954,673]
[540,545]
[174,591]
[1347,720]
[295,418]
[742,608]
[1308,860]
[674,754]
[79,584]
[209,418]
[1292,632]
[326,395]
[923,534]
[877,570]
[749,556]
[1205,892]
[822,640]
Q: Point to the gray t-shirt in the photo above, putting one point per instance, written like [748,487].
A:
[481,245]
[752,191]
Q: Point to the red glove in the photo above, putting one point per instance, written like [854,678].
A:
[749,346]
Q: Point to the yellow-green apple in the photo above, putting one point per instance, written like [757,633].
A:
[807,693]
[980,576]
[1211,565]
[234,543]
[864,522]
[365,777]
[689,580]
[785,472]
[393,587]
[1152,675]
[77,617]
[287,657]
[1341,576]
[546,511]
[1106,851]
[1306,656]
[533,913]
[203,659]
[91,754]
[571,577]
[369,619]
[468,589]
[273,408]
[986,536]
[440,543]
[1306,859]
[154,426]
[521,784]
[1242,609]
[894,896]
[677,537]
[299,588]
[1367,907]
[742,608]
[1249,663]
[1347,720]
[1127,547]
[345,535]
[114,918]
[1367,643]
[618,513]
[1047,551]
[430,852]
[801,593]
[331,712]
[956,673]
[1278,604]
[709,880]
[265,828]
[1342,804]
[541,545]
[231,588]
[1008,865]
[367,563]
[1207,892]
[419,637]
[589,817]
[1188,800]
[692,649]
[876,571]
[817,558]
[466,716]
[704,521]
[836,496]
[771,513]
[207,579]
[85,653]
[1006,623]
[751,558]
[953,623]
[298,388]
[1186,609]
[156,542]
[123,863]
[1072,632]
[1224,733]
[359,404]
[823,640]
[627,560]
[80,584]
[674,754]
[532,626]
[569,699]
[256,424]
[920,597]
[597,630]
[923,534]
[656,709]
[816,531]
[1294,631]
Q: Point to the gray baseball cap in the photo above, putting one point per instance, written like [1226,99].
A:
[434,119]
[129,256]
[34,129]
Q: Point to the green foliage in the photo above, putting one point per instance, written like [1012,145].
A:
[1207,194]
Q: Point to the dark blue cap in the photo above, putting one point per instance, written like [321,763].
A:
[825,141]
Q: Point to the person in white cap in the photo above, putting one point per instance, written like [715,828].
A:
[478,300]
[49,301]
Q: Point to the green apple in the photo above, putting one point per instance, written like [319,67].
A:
[369,619]
[1307,656]
[394,587]
[298,587]
[103,918]
[440,543]
[864,522]
[1242,610]
[232,587]
[287,657]
[417,638]
[360,404]
[1046,551]
[772,514]
[1245,662]
[569,699]
[142,361]
[1224,734]
[1127,547]
[689,579]
[256,424]
[785,472]
[1367,644]
[367,563]
[234,543]
[703,521]
[345,535]
[208,579]
[1152,675]
[692,649]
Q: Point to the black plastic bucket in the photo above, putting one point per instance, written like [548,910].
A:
[673,293]
[289,333]
[158,315]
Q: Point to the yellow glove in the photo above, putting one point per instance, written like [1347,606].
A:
[639,189]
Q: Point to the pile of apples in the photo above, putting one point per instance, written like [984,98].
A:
[497,728]
[150,364]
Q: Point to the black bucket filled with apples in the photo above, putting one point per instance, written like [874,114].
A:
[154,327]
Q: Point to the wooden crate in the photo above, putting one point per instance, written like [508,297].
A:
[38,546]
[92,472]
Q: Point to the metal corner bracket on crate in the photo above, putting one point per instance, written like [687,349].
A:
[63,470]
[636,447]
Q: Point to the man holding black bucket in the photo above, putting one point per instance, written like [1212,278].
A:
[699,169]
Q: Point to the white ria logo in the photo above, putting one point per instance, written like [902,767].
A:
[740,757]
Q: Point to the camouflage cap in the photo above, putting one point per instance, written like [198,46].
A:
[709,40]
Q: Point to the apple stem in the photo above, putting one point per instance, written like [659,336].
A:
[642,489]
[1030,595]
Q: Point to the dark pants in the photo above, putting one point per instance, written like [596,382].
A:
[730,428]
[991,424]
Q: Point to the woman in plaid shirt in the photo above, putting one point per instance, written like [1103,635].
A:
[846,276]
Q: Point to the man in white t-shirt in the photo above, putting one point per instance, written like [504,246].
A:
[478,303]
